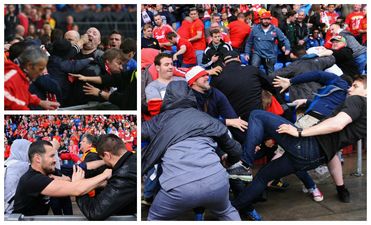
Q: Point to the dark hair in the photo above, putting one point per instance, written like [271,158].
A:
[214,31]
[16,49]
[128,45]
[113,53]
[38,147]
[171,35]
[298,50]
[361,78]
[161,56]
[115,32]
[57,34]
[90,138]
[110,143]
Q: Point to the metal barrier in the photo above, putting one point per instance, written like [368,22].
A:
[358,172]
[91,105]
[21,217]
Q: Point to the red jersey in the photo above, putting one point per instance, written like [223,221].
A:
[238,31]
[198,25]
[328,18]
[353,20]
[184,30]
[189,56]
[160,34]
[363,26]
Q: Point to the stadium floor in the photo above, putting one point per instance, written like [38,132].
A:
[293,204]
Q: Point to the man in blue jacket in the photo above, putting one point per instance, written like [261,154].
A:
[263,40]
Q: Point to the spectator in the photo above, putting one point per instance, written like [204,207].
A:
[118,197]
[114,39]
[160,32]
[301,28]
[184,50]
[264,45]
[216,50]
[185,29]
[42,157]
[353,20]
[147,40]
[314,39]
[329,16]
[288,27]
[359,51]
[197,35]
[11,21]
[17,80]
[239,30]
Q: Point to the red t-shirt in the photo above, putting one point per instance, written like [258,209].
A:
[160,34]
[354,20]
[363,26]
[329,17]
[238,31]
[189,57]
[198,25]
[185,30]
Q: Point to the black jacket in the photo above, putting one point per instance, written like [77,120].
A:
[221,51]
[179,119]
[119,197]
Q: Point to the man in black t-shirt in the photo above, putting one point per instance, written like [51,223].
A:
[38,184]
[307,148]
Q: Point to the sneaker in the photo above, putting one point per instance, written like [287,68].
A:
[278,185]
[240,172]
[254,215]
[344,196]
[317,195]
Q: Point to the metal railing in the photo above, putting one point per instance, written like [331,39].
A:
[21,217]
[358,172]
[92,106]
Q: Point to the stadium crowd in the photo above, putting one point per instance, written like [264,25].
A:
[303,63]
[103,147]
[52,62]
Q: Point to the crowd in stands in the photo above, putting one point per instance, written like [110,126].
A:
[51,62]
[91,157]
[232,62]
[68,129]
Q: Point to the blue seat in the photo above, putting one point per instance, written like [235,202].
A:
[243,60]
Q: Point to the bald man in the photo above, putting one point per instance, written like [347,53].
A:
[72,36]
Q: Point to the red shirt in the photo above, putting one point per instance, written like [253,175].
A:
[238,31]
[363,26]
[354,20]
[160,34]
[329,17]
[189,56]
[185,29]
[198,25]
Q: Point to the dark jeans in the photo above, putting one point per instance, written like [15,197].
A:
[300,154]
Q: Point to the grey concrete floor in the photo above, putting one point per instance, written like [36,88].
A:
[293,204]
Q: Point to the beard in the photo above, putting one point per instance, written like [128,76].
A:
[49,169]
[265,24]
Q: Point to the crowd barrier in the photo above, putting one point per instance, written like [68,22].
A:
[91,106]
[21,217]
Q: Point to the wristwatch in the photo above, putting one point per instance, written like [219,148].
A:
[299,129]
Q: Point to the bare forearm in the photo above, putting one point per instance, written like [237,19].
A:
[86,185]
[95,79]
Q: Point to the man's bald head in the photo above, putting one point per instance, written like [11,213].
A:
[72,36]
[94,39]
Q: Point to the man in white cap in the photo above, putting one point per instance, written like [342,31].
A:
[211,100]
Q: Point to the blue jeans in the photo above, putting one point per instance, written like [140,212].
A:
[361,62]
[268,64]
[199,54]
[300,154]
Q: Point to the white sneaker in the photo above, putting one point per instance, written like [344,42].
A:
[317,195]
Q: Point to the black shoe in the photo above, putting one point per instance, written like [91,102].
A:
[240,172]
[344,195]
[278,185]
